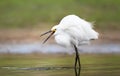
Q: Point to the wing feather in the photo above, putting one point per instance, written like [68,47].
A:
[78,28]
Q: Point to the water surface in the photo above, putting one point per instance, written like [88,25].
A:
[54,48]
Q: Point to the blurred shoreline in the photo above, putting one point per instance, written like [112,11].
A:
[33,35]
[28,41]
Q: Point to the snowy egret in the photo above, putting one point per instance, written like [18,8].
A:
[73,31]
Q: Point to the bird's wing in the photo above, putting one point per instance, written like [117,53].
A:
[78,28]
[74,20]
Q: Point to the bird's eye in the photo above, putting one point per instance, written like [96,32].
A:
[54,30]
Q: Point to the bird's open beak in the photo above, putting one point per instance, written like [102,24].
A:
[50,31]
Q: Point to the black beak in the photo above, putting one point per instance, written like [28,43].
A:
[52,32]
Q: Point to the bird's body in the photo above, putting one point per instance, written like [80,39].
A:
[74,30]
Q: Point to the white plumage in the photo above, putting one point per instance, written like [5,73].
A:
[74,30]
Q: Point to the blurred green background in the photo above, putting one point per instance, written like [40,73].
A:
[45,13]
[18,17]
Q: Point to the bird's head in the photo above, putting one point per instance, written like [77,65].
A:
[52,31]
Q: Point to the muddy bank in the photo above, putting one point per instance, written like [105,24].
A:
[28,41]
[33,35]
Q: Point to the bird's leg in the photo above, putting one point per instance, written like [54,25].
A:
[75,67]
[77,60]
[79,69]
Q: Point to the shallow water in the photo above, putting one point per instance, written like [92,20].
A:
[54,48]
[89,70]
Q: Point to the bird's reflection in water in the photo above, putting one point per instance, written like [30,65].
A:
[77,71]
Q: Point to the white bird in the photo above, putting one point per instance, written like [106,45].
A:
[73,31]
